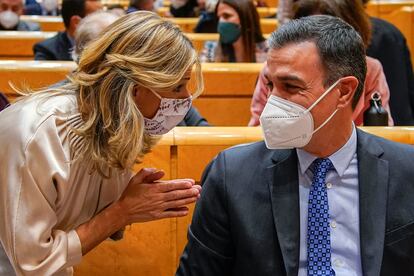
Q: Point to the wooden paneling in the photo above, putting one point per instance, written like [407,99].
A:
[227,111]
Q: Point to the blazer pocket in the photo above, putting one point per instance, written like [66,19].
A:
[399,234]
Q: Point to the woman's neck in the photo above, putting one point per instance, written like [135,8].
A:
[239,51]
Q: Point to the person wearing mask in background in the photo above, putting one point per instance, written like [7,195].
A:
[241,38]
[318,196]
[352,12]
[88,31]
[208,19]
[389,46]
[67,152]
[60,46]
[138,5]
[10,12]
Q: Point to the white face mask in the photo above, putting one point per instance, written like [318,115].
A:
[9,19]
[170,113]
[288,125]
[50,5]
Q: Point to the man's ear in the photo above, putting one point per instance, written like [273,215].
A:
[347,88]
[74,22]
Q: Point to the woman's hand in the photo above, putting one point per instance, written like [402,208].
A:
[147,198]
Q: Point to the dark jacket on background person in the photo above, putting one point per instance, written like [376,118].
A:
[193,118]
[58,47]
[389,46]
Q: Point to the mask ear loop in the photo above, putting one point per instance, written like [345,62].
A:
[318,100]
[323,96]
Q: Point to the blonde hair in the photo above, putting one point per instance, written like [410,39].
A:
[139,49]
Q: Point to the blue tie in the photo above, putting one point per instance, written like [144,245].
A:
[319,233]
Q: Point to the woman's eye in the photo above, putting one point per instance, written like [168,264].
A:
[178,88]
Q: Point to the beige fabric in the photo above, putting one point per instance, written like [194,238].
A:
[43,195]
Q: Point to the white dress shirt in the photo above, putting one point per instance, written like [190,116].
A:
[343,198]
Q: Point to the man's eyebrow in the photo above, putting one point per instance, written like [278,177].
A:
[291,78]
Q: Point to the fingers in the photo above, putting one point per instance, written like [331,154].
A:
[176,184]
[174,204]
[147,175]
[180,194]
[154,177]
[174,214]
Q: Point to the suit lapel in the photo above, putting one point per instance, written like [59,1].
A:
[373,186]
[282,178]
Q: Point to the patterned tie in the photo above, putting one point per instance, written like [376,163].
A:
[319,233]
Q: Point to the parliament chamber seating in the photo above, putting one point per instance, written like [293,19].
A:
[154,248]
[224,102]
[55,23]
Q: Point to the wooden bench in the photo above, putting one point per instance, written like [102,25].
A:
[262,11]
[154,248]
[225,101]
[55,23]
[382,8]
[19,45]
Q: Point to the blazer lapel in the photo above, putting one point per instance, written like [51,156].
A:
[282,177]
[373,187]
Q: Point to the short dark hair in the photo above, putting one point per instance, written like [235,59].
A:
[71,8]
[340,47]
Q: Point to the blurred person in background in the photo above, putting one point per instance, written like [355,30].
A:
[140,5]
[241,38]
[389,46]
[10,12]
[60,46]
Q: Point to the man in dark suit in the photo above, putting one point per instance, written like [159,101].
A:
[318,197]
[60,46]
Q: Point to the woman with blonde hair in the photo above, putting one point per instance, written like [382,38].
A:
[65,181]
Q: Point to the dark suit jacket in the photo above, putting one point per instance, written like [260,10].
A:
[247,219]
[55,48]
[389,46]
[193,118]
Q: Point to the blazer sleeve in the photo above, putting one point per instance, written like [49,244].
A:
[33,242]
[259,98]
[41,52]
[209,250]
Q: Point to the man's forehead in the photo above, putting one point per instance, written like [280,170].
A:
[294,58]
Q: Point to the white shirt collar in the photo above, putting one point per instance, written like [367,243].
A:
[340,159]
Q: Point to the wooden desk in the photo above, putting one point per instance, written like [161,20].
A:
[15,44]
